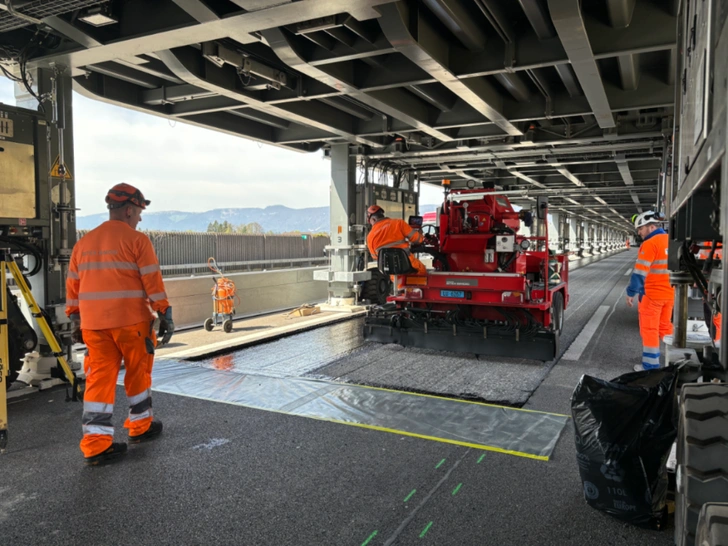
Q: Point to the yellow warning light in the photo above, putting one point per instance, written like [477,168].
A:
[445,182]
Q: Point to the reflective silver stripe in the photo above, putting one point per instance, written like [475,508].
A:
[390,245]
[659,272]
[651,361]
[158,296]
[133,400]
[659,262]
[411,234]
[98,407]
[651,350]
[70,303]
[644,262]
[97,429]
[119,294]
[139,416]
[73,275]
[149,269]
[639,272]
[107,265]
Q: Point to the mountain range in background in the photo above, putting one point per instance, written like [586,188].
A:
[276,219]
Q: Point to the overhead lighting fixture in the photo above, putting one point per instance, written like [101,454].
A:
[98,16]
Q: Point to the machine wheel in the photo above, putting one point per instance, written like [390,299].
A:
[227,326]
[557,310]
[209,324]
[376,289]
[702,455]
[713,525]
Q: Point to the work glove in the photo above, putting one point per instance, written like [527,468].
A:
[77,335]
[166,326]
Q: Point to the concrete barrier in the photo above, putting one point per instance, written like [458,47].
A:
[259,292]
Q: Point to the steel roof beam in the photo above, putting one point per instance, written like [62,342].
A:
[397,103]
[202,106]
[538,17]
[157,36]
[459,21]
[127,74]
[569,23]
[623,167]
[124,94]
[188,65]
[431,52]
[629,71]
[620,12]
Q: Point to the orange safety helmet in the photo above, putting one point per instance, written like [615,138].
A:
[374,209]
[119,195]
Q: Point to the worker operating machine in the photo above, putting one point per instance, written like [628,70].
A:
[494,288]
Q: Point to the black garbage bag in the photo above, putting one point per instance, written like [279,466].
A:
[624,430]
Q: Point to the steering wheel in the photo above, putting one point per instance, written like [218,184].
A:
[429,229]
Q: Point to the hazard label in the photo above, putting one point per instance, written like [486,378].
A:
[60,172]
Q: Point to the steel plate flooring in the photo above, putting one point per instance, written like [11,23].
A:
[223,474]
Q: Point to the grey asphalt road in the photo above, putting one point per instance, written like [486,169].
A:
[224,474]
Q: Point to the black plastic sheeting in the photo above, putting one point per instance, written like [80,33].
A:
[496,428]
[624,430]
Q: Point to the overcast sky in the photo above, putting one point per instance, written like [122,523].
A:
[186,168]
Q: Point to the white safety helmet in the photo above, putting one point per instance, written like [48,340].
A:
[649,217]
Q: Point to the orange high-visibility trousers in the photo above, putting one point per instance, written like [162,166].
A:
[718,323]
[106,348]
[655,324]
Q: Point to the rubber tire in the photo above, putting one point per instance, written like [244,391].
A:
[557,305]
[713,525]
[209,324]
[227,326]
[702,455]
[376,289]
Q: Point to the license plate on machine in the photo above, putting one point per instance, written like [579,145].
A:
[452,294]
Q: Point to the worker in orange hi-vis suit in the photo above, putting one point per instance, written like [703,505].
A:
[113,278]
[651,282]
[391,233]
[704,254]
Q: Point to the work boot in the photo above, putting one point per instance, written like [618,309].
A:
[116,451]
[154,430]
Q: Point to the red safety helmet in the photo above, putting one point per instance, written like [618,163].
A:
[119,195]
[374,209]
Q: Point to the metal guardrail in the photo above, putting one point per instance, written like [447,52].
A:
[182,253]
[249,265]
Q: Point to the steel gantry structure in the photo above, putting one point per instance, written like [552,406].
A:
[574,99]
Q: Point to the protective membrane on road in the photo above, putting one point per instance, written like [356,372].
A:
[524,433]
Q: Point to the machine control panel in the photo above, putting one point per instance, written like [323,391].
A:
[505,243]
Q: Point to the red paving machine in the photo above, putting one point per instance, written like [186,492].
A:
[491,291]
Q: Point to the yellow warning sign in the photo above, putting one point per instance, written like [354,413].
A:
[56,171]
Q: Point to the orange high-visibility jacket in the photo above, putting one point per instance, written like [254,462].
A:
[391,233]
[113,277]
[705,253]
[651,276]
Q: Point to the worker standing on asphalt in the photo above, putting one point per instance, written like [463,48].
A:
[113,277]
[390,233]
[651,283]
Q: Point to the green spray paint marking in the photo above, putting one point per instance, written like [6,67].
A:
[440,463]
[481,458]
[367,541]
[424,531]
[408,497]
[455,491]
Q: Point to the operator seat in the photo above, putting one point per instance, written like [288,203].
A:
[395,261]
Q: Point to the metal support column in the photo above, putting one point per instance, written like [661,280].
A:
[342,278]
[681,280]
[581,239]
